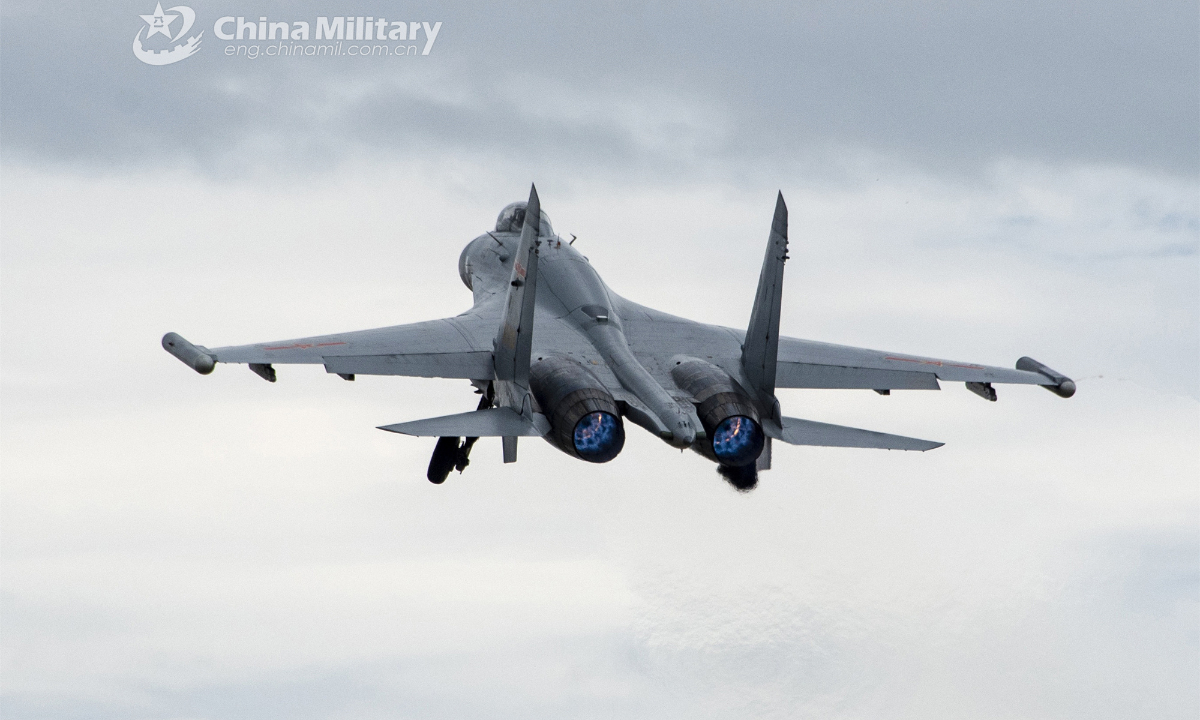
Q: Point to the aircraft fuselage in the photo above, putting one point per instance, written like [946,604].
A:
[570,289]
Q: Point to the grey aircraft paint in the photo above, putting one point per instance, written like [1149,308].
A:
[544,324]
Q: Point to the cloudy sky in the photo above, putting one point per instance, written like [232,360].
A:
[968,180]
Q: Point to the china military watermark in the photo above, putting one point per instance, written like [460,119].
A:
[159,23]
[264,37]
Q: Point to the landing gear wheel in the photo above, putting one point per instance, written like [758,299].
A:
[445,454]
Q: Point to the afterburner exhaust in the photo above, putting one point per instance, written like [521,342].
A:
[733,434]
[584,419]
[598,436]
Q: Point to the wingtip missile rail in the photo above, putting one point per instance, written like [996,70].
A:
[1061,386]
[194,357]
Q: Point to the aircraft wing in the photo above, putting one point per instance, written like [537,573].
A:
[457,347]
[656,337]
[809,364]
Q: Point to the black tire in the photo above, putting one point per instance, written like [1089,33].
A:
[444,455]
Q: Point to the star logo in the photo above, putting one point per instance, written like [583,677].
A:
[159,22]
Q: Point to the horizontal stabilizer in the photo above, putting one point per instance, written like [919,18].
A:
[807,432]
[492,422]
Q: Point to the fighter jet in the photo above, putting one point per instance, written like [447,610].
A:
[554,353]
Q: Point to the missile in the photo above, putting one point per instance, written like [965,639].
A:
[1062,386]
[194,357]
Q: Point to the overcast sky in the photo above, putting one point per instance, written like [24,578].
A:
[966,180]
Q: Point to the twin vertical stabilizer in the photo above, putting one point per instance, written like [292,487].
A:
[514,340]
[760,351]
[511,352]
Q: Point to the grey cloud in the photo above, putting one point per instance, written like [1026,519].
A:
[941,85]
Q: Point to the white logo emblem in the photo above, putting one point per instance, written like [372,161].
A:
[160,24]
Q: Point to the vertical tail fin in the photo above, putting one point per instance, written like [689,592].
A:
[760,351]
[514,340]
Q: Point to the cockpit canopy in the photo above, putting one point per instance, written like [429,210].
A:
[512,220]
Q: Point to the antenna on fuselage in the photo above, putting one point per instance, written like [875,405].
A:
[573,239]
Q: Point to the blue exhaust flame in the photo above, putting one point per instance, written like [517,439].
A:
[599,437]
[738,440]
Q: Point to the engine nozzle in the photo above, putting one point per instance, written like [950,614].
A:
[737,440]
[598,436]
[733,435]
[584,419]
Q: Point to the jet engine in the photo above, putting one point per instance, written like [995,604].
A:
[584,419]
[733,436]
